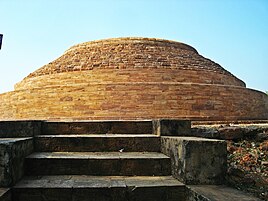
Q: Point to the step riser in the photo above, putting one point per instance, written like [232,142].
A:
[101,194]
[98,167]
[111,127]
[92,144]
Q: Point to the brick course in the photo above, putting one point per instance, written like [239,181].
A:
[107,76]
[133,78]
[134,53]
[135,101]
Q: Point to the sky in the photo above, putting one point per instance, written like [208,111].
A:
[233,33]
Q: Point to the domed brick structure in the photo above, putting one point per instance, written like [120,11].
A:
[133,78]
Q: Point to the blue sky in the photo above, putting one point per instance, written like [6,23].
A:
[233,33]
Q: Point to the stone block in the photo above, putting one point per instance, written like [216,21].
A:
[5,194]
[232,133]
[97,193]
[216,192]
[41,194]
[196,160]
[170,127]
[97,127]
[205,132]
[237,131]
[12,154]
[153,193]
[97,163]
[10,129]
[97,143]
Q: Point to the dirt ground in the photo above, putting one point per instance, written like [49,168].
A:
[248,166]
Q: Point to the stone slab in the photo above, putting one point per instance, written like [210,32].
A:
[170,127]
[117,188]
[12,154]
[231,131]
[196,160]
[13,129]
[97,155]
[97,143]
[98,163]
[97,127]
[216,193]
[5,194]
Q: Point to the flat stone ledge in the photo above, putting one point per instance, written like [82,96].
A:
[71,181]
[5,194]
[98,155]
[100,136]
[216,193]
[105,188]
[231,131]
[196,160]
[13,140]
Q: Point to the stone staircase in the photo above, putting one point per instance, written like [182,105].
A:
[111,161]
[98,162]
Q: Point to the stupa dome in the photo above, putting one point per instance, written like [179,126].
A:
[133,78]
[136,54]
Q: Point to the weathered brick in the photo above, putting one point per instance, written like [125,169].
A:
[132,78]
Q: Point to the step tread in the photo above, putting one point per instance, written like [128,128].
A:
[97,155]
[5,194]
[220,192]
[3,191]
[100,136]
[13,140]
[83,181]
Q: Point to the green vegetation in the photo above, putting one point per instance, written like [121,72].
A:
[266,93]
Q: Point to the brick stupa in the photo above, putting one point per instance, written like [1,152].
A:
[130,79]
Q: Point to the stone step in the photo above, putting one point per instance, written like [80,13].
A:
[97,127]
[98,163]
[217,193]
[97,143]
[99,188]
